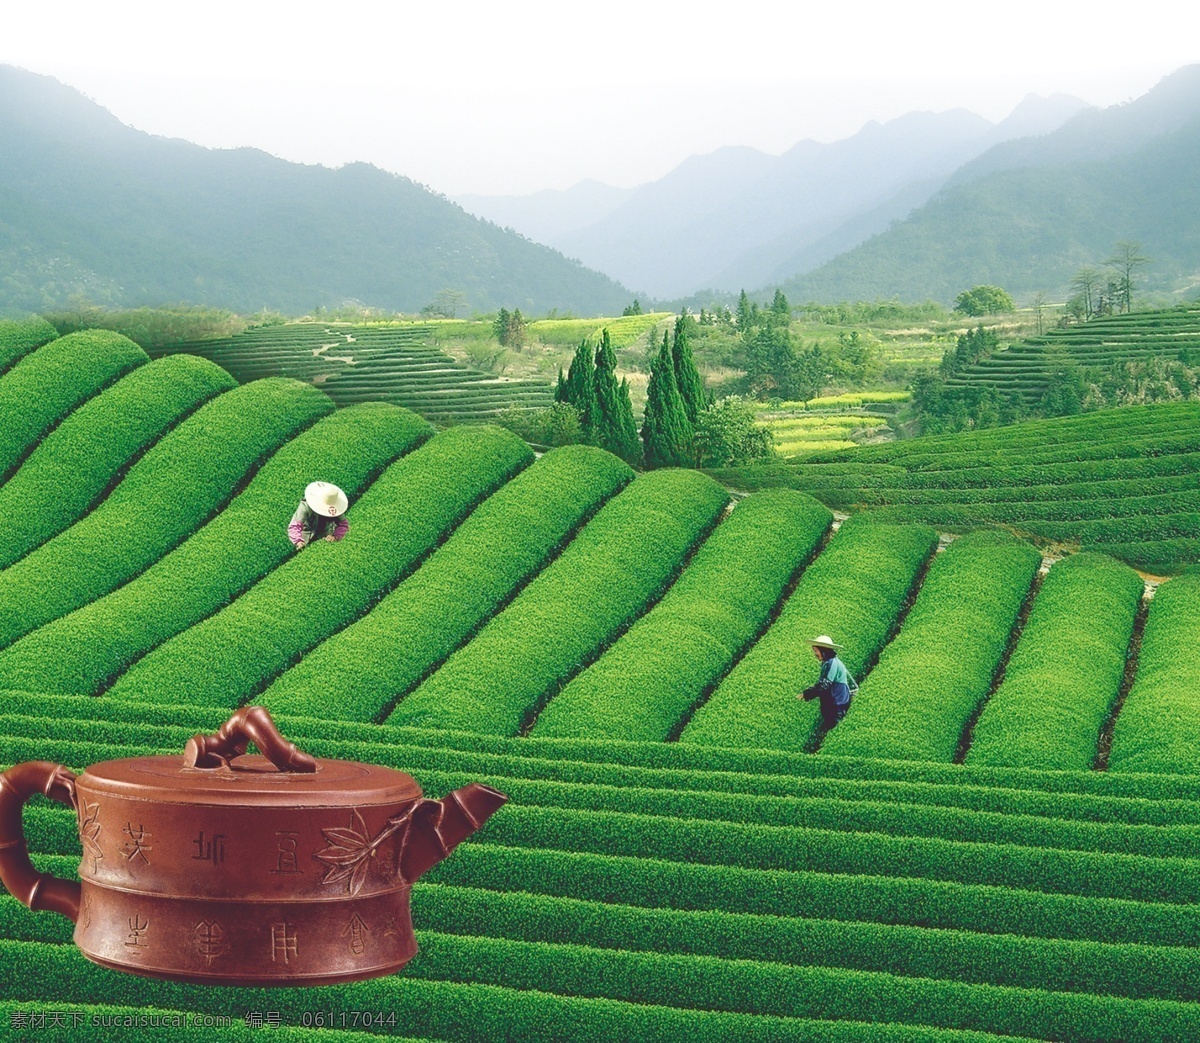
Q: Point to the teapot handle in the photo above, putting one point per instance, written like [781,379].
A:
[250,724]
[36,890]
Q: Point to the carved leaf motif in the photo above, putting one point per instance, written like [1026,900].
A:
[350,850]
[89,830]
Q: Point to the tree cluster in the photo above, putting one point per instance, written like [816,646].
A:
[970,348]
[675,400]
[1095,293]
[983,300]
[604,407]
[510,329]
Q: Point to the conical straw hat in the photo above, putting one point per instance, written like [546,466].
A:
[326,499]
[824,641]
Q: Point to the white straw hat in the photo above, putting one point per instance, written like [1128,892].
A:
[325,499]
[824,641]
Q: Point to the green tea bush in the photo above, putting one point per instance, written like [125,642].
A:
[185,478]
[644,684]
[624,557]
[18,337]
[451,1010]
[929,680]
[855,591]
[48,383]
[86,649]
[449,753]
[397,522]
[1066,671]
[1158,729]
[505,541]
[74,465]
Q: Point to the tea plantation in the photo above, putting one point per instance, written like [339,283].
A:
[378,362]
[1001,841]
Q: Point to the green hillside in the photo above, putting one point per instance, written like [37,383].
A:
[1027,215]
[92,208]
[686,853]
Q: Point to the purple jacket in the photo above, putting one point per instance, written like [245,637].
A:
[306,525]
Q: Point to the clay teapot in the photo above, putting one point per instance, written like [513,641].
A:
[220,867]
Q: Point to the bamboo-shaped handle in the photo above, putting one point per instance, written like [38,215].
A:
[251,724]
[36,890]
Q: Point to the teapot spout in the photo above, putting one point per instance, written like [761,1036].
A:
[439,826]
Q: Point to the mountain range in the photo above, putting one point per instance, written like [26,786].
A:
[920,207]
[91,209]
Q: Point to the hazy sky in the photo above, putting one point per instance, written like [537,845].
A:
[504,97]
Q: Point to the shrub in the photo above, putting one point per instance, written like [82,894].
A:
[86,649]
[48,383]
[855,591]
[507,539]
[644,684]
[624,557]
[1158,729]
[929,680]
[1066,670]
[155,507]
[89,450]
[398,521]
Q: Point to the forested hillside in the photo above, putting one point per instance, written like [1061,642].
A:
[1029,214]
[92,208]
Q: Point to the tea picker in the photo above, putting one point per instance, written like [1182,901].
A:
[320,515]
[835,687]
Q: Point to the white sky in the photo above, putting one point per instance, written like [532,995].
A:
[512,96]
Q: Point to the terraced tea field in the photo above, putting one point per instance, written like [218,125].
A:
[1123,481]
[367,363]
[686,855]
[1024,368]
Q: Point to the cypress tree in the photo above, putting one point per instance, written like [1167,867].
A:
[666,431]
[580,390]
[687,377]
[614,427]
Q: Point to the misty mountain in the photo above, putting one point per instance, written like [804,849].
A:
[92,208]
[1027,215]
[738,217]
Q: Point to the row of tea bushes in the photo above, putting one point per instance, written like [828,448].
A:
[626,556]
[505,541]
[18,337]
[1014,792]
[932,677]
[1065,675]
[1060,965]
[643,686]
[854,591]
[45,385]
[1090,794]
[151,510]
[1054,824]
[1158,729]
[449,1010]
[1124,481]
[995,862]
[87,649]
[51,490]
[405,513]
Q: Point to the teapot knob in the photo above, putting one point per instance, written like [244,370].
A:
[250,724]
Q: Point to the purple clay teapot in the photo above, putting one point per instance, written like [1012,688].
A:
[232,869]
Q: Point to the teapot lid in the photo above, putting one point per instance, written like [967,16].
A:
[215,769]
[251,779]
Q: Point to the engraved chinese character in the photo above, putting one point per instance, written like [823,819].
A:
[283,942]
[389,927]
[137,928]
[358,931]
[286,861]
[210,940]
[138,847]
[212,850]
